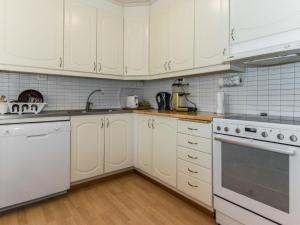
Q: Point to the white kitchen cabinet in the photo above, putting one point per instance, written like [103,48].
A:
[87,147]
[144,142]
[164,149]
[110,39]
[32,33]
[274,24]
[212,32]
[80,36]
[171,35]
[136,40]
[118,142]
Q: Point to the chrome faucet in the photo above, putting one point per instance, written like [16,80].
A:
[88,103]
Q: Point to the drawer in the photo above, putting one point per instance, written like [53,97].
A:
[199,158]
[194,171]
[195,188]
[196,143]
[196,129]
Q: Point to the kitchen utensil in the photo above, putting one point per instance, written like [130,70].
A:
[132,102]
[163,100]
[31,96]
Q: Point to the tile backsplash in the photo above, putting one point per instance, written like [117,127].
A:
[63,93]
[274,90]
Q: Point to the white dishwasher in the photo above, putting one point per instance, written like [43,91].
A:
[34,161]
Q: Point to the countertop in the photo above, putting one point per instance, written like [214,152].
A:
[197,116]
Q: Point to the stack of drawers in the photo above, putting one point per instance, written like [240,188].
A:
[194,160]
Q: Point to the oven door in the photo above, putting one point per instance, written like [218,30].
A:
[260,176]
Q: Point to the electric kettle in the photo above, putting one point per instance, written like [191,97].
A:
[132,102]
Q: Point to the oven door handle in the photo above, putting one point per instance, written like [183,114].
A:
[271,147]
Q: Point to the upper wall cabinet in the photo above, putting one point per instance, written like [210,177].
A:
[263,26]
[171,35]
[80,36]
[136,40]
[110,39]
[31,33]
[211,38]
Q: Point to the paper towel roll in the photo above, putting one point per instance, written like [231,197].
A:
[220,102]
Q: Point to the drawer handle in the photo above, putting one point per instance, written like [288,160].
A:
[192,128]
[192,171]
[192,157]
[194,186]
[192,143]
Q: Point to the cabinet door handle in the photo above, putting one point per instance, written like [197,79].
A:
[194,129]
[232,34]
[102,123]
[192,157]
[194,186]
[126,69]
[192,171]
[224,51]
[165,65]
[153,123]
[100,67]
[95,66]
[169,65]
[149,123]
[60,62]
[107,123]
[192,143]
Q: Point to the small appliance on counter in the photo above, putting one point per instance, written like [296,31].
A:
[180,98]
[163,100]
[132,102]
[220,103]
[3,105]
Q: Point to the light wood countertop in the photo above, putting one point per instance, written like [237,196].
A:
[198,116]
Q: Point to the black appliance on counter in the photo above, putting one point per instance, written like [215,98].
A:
[163,100]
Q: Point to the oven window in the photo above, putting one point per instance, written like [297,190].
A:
[258,174]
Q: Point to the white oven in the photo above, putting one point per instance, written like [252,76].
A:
[257,169]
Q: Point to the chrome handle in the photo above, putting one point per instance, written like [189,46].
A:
[189,128]
[102,123]
[232,34]
[149,123]
[192,171]
[165,65]
[37,135]
[107,123]
[153,123]
[100,67]
[60,62]
[95,66]
[126,69]
[192,143]
[169,65]
[194,186]
[224,51]
[192,157]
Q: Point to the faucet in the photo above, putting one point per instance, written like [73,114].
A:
[88,103]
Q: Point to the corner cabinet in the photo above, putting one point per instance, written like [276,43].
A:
[80,36]
[211,38]
[118,142]
[136,41]
[171,35]
[87,147]
[31,33]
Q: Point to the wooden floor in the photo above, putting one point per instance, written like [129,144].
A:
[128,200]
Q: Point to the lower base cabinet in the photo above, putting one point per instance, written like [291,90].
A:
[100,144]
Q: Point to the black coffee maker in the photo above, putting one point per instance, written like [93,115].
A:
[163,100]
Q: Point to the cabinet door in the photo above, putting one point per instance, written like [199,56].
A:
[87,147]
[118,142]
[110,40]
[164,149]
[136,40]
[211,38]
[31,33]
[80,36]
[159,36]
[181,31]
[273,23]
[144,143]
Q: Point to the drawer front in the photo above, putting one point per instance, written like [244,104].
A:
[196,143]
[195,188]
[194,171]
[196,129]
[196,157]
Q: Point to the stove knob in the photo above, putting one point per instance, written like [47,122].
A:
[293,138]
[280,136]
[237,130]
[226,129]
[264,134]
[218,128]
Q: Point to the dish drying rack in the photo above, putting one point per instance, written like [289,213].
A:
[25,107]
